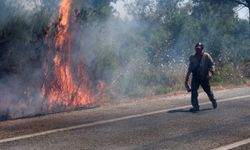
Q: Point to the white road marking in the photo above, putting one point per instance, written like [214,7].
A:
[110,121]
[234,145]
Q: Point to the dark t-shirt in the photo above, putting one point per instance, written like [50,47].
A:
[201,67]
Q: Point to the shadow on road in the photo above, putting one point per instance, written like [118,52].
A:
[187,110]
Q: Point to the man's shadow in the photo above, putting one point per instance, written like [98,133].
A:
[187,110]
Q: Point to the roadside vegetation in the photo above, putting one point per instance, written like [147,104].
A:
[143,56]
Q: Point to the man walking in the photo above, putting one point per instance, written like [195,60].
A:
[201,66]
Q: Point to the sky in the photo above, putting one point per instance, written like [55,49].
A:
[119,6]
[122,12]
[243,13]
[28,5]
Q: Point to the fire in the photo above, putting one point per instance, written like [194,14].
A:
[62,86]
[64,14]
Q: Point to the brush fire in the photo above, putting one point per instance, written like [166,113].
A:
[65,84]
[62,86]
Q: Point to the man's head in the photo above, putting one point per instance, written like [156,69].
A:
[199,48]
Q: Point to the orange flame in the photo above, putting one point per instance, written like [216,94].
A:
[64,14]
[65,88]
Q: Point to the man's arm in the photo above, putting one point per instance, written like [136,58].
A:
[186,82]
[189,69]
[187,76]
[211,65]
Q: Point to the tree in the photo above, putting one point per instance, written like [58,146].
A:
[245,3]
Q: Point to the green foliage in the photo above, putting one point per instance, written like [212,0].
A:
[103,66]
[149,80]
[228,74]
[23,42]
[173,30]
[143,56]
[211,22]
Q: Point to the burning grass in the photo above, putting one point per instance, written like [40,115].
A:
[62,86]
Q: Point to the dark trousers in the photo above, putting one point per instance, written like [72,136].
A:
[205,84]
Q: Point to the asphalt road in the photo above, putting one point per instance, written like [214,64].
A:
[157,123]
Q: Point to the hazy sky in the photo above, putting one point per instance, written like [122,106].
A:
[243,13]
[119,6]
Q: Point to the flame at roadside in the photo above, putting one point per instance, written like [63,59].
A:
[65,84]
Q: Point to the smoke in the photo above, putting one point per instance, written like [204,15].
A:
[116,51]
[112,50]
[138,53]
[22,52]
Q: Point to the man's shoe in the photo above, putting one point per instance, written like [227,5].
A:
[193,110]
[214,103]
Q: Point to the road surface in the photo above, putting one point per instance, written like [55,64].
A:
[157,123]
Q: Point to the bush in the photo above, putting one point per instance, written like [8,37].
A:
[228,74]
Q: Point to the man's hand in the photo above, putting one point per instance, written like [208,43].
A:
[210,74]
[209,77]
